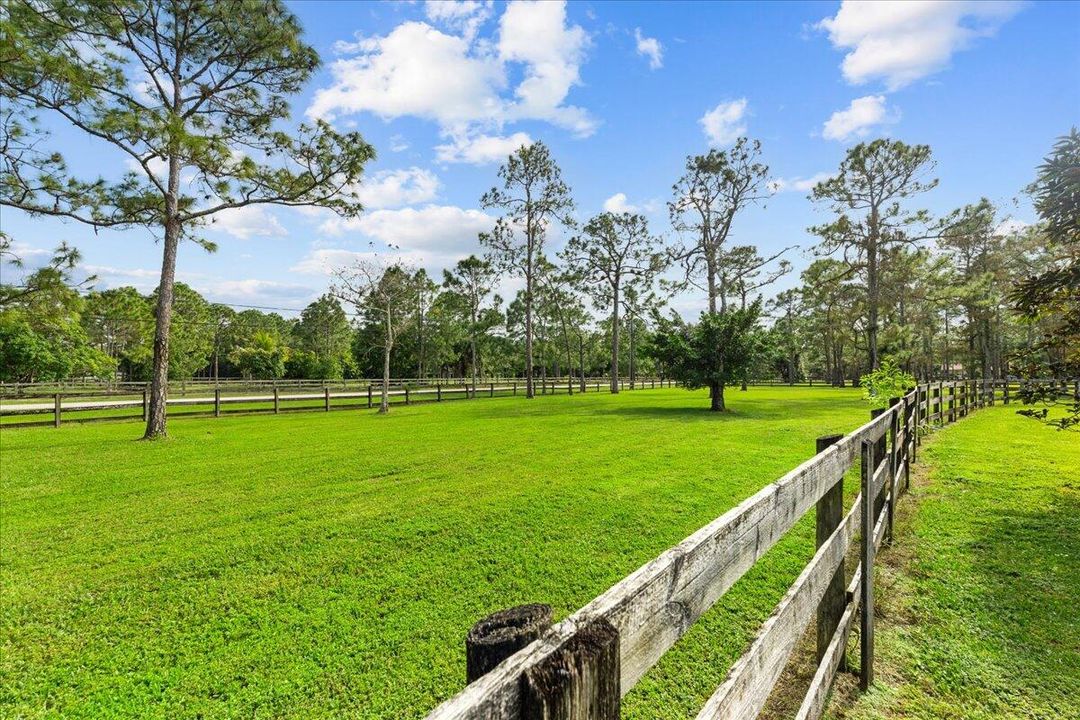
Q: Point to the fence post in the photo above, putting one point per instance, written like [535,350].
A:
[276,407]
[145,405]
[438,392]
[515,389]
[829,513]
[56,410]
[406,394]
[894,460]
[1006,398]
[369,396]
[492,393]
[866,587]
[326,397]
[579,681]
[500,635]
[217,402]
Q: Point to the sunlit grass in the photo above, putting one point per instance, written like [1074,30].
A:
[326,564]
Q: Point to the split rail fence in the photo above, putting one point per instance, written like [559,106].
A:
[79,406]
[522,667]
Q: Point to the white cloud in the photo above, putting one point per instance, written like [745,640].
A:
[859,118]
[900,42]
[392,188]
[617,204]
[414,70]
[465,16]
[398,143]
[481,149]
[252,291]
[433,227]
[461,82]
[797,184]
[247,222]
[725,122]
[650,48]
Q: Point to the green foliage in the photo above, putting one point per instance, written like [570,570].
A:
[263,359]
[717,351]
[280,554]
[886,382]
[191,339]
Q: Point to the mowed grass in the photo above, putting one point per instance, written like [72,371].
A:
[980,602]
[329,564]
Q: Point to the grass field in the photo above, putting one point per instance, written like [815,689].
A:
[327,564]
[978,599]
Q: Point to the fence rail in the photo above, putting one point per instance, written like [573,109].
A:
[216,401]
[567,672]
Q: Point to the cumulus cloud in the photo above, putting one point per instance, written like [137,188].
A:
[617,203]
[480,149]
[393,188]
[725,122]
[432,227]
[247,222]
[464,16]
[462,82]
[900,42]
[650,48]
[797,184]
[860,117]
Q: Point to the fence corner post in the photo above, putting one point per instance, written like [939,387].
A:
[579,681]
[866,553]
[499,635]
[829,513]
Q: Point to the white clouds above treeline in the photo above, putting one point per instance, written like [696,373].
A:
[461,80]
[725,122]
[859,118]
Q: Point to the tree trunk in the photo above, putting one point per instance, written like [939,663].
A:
[872,289]
[615,341]
[159,385]
[384,401]
[716,392]
[530,391]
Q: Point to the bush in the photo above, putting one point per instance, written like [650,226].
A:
[885,383]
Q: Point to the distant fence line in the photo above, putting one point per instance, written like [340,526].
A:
[61,406]
[520,666]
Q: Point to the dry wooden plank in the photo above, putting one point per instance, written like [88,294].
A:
[752,677]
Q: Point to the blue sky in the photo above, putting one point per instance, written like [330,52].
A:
[622,93]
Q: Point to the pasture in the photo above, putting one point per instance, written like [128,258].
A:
[315,565]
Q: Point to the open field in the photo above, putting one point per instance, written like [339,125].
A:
[313,565]
[978,597]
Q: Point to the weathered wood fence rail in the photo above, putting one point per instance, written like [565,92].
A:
[215,400]
[580,667]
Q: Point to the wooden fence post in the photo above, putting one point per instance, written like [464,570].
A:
[515,389]
[866,587]
[277,409]
[829,513]
[145,405]
[501,634]
[326,398]
[217,402]
[1006,398]
[894,460]
[438,392]
[406,394]
[580,681]
[492,393]
[56,410]
[369,396]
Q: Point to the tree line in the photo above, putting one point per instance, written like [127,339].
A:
[193,96]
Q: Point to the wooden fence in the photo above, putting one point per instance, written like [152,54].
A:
[581,667]
[80,406]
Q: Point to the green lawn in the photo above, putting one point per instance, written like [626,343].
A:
[980,597]
[326,564]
